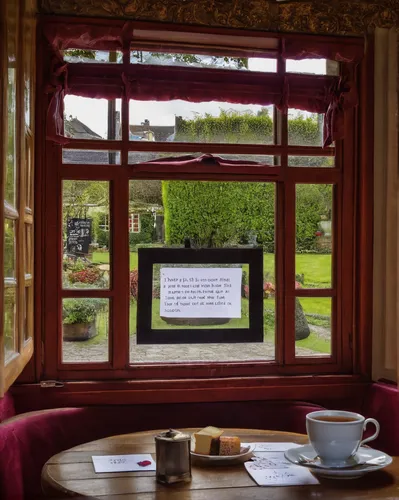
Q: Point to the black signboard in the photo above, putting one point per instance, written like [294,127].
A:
[78,235]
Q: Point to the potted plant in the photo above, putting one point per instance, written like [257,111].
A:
[79,318]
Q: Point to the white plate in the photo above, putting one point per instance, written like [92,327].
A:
[362,455]
[244,455]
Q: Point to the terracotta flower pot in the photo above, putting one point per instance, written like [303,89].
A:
[79,331]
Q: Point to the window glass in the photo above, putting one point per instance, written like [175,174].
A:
[312,326]
[10,324]
[89,156]
[311,161]
[204,61]
[9,248]
[92,119]
[205,122]
[92,56]
[11,165]
[314,235]
[86,242]
[305,129]
[312,66]
[85,326]
[28,313]
[209,215]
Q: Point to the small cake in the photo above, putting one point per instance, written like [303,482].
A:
[207,441]
[229,445]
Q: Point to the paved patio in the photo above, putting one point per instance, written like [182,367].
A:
[89,351]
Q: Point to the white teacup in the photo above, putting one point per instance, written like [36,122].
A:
[337,435]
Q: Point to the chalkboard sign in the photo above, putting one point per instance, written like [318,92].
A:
[78,235]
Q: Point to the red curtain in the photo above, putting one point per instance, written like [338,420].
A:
[313,93]
[204,160]
[313,48]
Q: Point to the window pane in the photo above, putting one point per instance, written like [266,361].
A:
[28,48]
[85,326]
[210,214]
[10,193]
[9,248]
[86,156]
[86,234]
[204,61]
[144,156]
[91,56]
[205,122]
[304,128]
[313,235]
[311,161]
[10,324]
[313,326]
[87,118]
[28,249]
[312,66]
[29,170]
[28,312]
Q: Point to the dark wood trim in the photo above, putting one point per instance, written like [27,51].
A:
[313,388]
[363,316]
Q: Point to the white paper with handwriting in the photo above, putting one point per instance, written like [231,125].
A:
[269,467]
[123,463]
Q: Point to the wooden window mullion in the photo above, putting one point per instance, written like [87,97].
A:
[119,309]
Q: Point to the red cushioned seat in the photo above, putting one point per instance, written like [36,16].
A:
[29,440]
[382,403]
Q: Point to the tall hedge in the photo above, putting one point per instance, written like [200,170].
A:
[234,127]
[215,214]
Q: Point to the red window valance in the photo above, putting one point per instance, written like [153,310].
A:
[314,93]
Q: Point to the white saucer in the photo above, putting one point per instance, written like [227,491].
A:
[210,460]
[323,470]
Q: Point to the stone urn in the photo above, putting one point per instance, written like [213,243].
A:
[302,330]
[79,331]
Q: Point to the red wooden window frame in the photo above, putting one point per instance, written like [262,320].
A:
[352,247]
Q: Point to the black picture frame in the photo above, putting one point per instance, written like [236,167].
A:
[147,257]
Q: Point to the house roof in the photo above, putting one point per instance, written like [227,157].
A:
[161,132]
[78,130]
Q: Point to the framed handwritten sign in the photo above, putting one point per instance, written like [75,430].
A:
[199,295]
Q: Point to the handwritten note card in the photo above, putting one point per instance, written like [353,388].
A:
[269,467]
[200,292]
[123,463]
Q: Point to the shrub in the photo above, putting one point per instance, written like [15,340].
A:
[89,276]
[147,230]
[79,310]
[134,282]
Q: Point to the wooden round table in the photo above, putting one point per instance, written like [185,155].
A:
[71,473]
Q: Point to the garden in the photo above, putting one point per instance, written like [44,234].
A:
[210,215]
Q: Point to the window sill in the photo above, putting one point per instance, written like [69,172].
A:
[311,388]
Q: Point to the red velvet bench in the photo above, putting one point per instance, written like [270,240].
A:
[28,440]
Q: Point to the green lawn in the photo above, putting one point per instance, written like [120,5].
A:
[316,268]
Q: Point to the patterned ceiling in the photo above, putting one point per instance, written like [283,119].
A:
[345,17]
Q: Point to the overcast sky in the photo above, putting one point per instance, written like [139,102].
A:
[163,113]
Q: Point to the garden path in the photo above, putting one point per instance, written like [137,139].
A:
[80,352]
